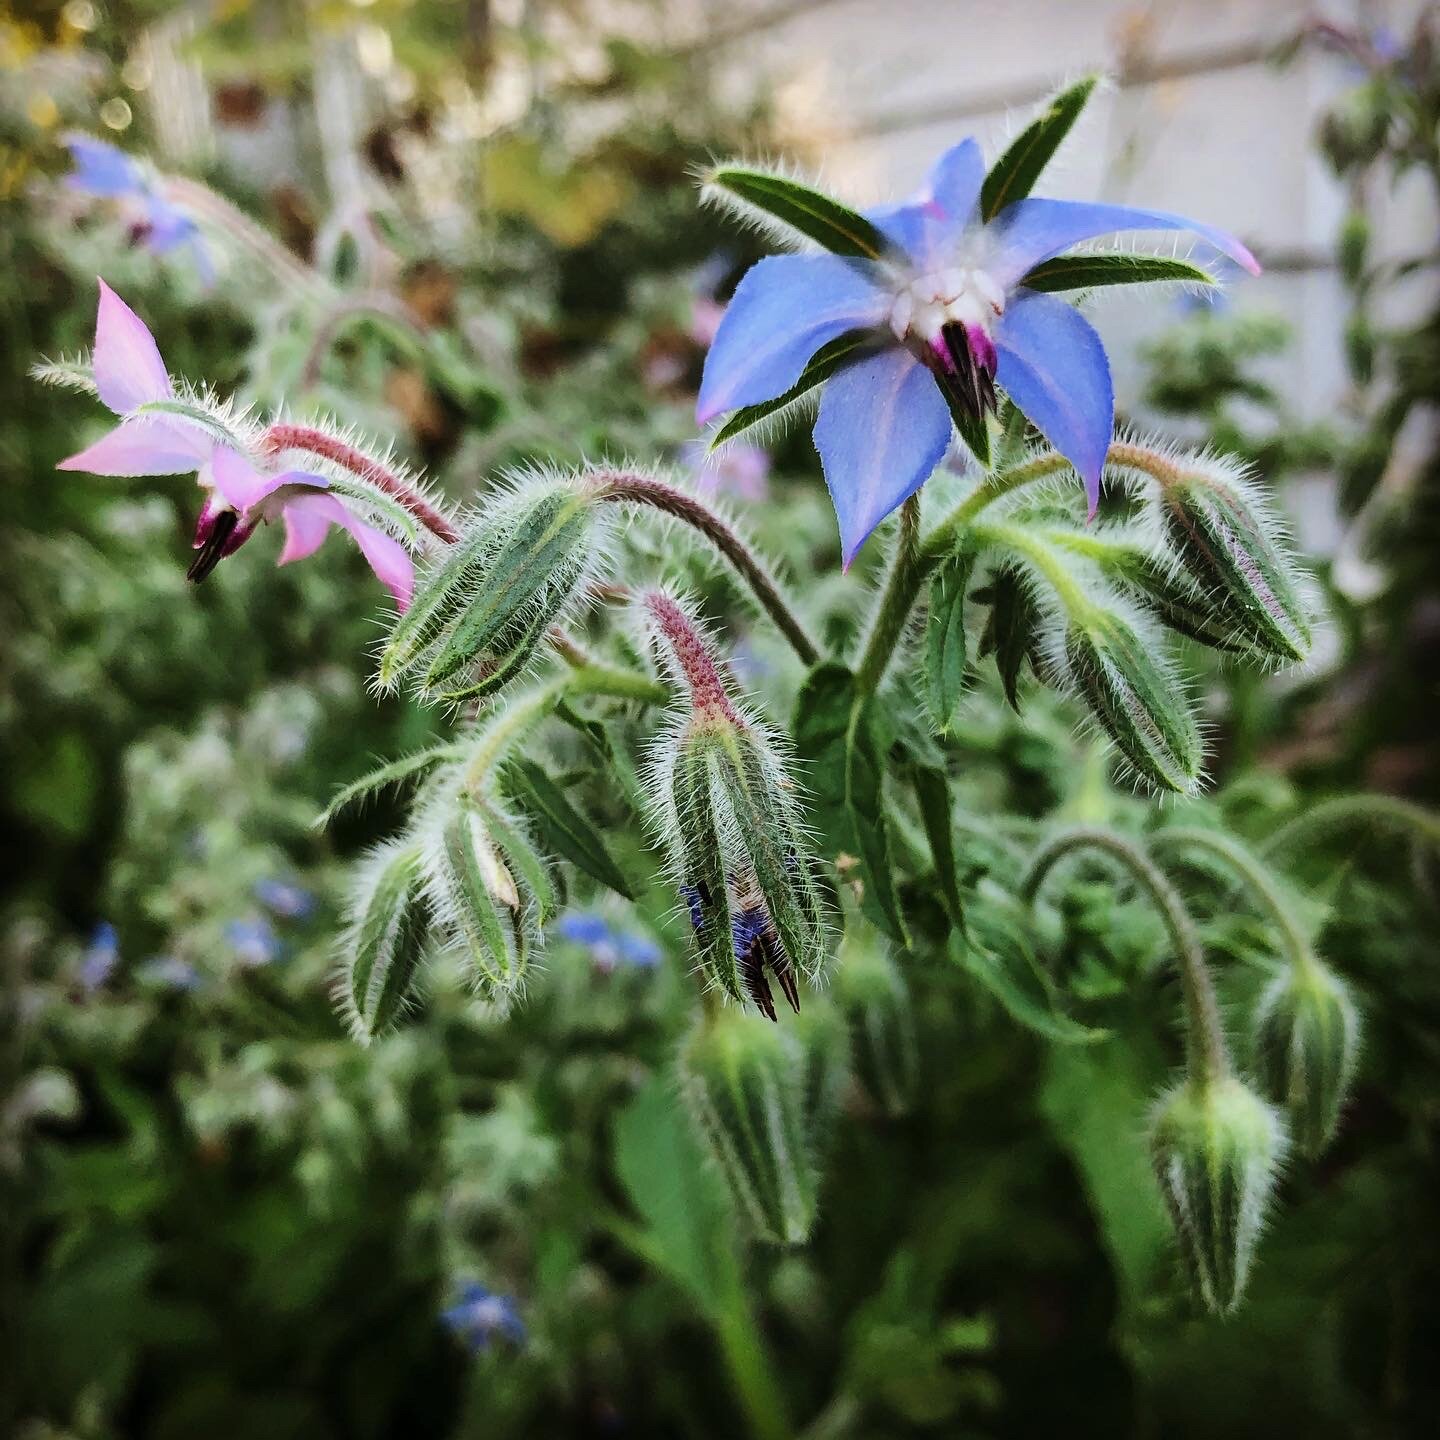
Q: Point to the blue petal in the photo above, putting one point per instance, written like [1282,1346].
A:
[784,310]
[883,428]
[1030,231]
[1053,366]
[583,928]
[101,169]
[927,226]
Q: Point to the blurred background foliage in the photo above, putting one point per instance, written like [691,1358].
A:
[223,1218]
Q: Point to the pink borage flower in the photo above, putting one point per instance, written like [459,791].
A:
[130,377]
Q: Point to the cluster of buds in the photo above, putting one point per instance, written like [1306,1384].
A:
[1306,1045]
[728,813]
[1216,1145]
[764,1099]
[482,608]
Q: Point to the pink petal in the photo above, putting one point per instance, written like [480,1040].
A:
[309,517]
[128,367]
[143,446]
[242,487]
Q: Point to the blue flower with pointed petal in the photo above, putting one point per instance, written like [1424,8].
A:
[481,1315]
[951,318]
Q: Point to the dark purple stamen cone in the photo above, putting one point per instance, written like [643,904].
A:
[214,543]
[967,377]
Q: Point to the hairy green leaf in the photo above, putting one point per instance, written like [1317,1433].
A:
[1014,174]
[563,828]
[829,223]
[1091,272]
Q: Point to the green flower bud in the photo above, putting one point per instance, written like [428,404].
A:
[1307,1042]
[1230,544]
[480,613]
[1354,246]
[870,986]
[1122,675]
[1178,602]
[1215,1146]
[382,944]
[746,1086]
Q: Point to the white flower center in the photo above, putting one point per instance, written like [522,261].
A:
[957,295]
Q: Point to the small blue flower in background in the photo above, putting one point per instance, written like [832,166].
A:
[480,1316]
[284,898]
[951,318]
[253,941]
[608,946]
[101,956]
[171,972]
[108,173]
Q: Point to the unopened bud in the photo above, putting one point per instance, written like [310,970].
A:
[478,617]
[1231,545]
[1139,704]
[1307,1042]
[1175,598]
[1215,1145]
[383,941]
[882,1020]
[745,1084]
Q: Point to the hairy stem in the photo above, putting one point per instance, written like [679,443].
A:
[1205,1039]
[626,487]
[1040,554]
[891,614]
[1380,811]
[1252,874]
[280,437]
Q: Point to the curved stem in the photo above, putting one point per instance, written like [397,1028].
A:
[1252,874]
[1205,1039]
[1040,554]
[1000,482]
[629,488]
[1344,810]
[281,436]
[327,332]
[888,622]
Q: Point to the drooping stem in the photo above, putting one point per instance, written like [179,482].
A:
[1205,1039]
[627,487]
[280,437]
[375,303]
[1241,863]
[998,483]
[1341,812]
[896,601]
[1040,554]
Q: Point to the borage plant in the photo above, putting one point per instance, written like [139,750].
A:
[832,846]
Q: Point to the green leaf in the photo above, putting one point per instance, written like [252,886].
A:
[406,768]
[1091,272]
[563,829]
[822,365]
[829,223]
[1010,632]
[835,734]
[945,641]
[1014,174]
[999,953]
[932,790]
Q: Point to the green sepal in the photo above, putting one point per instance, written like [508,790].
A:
[816,216]
[932,792]
[408,767]
[945,657]
[563,828]
[1093,272]
[524,860]
[476,896]
[1013,175]
[385,939]
[1011,629]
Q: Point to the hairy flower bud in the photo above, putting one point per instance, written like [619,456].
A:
[870,986]
[1122,675]
[1215,1145]
[1307,1041]
[480,612]
[746,1086]
[729,814]
[1231,544]
[382,943]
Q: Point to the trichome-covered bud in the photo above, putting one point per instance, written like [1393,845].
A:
[746,1086]
[1216,1145]
[1122,674]
[1233,547]
[482,609]
[730,818]
[876,999]
[382,943]
[1307,1042]
[479,879]
[1177,601]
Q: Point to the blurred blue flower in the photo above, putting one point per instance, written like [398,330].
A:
[583,928]
[160,226]
[284,898]
[480,1316]
[608,946]
[739,470]
[253,941]
[638,950]
[171,972]
[101,956]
